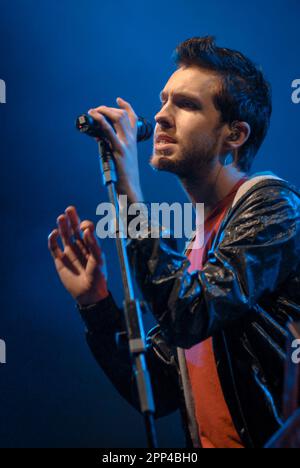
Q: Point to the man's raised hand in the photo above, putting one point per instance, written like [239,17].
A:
[80,263]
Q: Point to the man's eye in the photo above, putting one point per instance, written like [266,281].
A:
[189,104]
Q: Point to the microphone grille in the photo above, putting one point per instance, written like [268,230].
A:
[144,129]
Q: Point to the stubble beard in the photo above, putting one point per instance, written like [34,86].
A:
[191,163]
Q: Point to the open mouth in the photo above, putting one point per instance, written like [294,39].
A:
[162,145]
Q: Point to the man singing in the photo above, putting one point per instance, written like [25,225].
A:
[218,350]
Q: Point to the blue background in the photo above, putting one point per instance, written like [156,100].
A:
[58,59]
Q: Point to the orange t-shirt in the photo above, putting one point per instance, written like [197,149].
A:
[215,423]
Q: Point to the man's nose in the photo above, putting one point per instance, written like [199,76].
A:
[164,119]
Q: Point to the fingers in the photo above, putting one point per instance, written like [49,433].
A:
[131,114]
[64,229]
[69,225]
[87,225]
[60,258]
[69,231]
[53,246]
[91,241]
[84,243]
[78,242]
[74,221]
[124,119]
[95,260]
[107,130]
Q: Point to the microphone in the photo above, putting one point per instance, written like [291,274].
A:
[86,124]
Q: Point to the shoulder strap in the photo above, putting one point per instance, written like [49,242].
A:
[255,179]
[244,188]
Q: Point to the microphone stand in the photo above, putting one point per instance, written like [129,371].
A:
[132,308]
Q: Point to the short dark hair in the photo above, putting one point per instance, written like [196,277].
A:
[245,95]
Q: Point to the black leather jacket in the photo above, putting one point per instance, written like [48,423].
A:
[247,292]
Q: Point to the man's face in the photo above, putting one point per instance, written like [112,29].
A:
[188,116]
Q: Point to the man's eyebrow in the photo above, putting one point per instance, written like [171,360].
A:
[163,95]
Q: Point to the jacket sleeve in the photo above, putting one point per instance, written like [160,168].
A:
[256,253]
[103,322]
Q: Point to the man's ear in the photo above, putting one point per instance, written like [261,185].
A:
[238,134]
